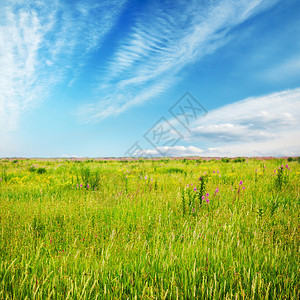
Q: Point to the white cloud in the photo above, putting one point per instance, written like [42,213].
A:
[163,41]
[40,43]
[286,144]
[261,126]
[172,151]
[253,119]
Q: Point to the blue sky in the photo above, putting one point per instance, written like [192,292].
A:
[91,78]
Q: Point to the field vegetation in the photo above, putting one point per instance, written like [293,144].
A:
[149,229]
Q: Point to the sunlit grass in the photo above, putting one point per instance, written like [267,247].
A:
[118,230]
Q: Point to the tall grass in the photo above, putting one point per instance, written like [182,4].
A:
[140,230]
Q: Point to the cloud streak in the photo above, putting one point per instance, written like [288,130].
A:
[40,43]
[160,45]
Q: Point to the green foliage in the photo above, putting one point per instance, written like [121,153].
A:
[201,188]
[260,212]
[38,227]
[91,178]
[4,175]
[281,178]
[137,238]
[32,169]
[191,197]
[41,170]
[175,170]
[239,159]
[225,160]
[273,207]
[183,204]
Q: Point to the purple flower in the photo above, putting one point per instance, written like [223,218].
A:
[200,178]
[217,190]
[243,187]
[207,194]
[145,177]
[195,189]
[0,179]
[287,166]
[218,171]
[81,185]
[87,186]
[241,182]
[214,172]
[203,197]
[207,200]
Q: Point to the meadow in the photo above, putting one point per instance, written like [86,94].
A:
[149,229]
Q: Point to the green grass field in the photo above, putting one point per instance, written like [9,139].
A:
[149,229]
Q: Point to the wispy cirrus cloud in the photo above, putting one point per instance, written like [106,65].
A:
[42,42]
[161,43]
